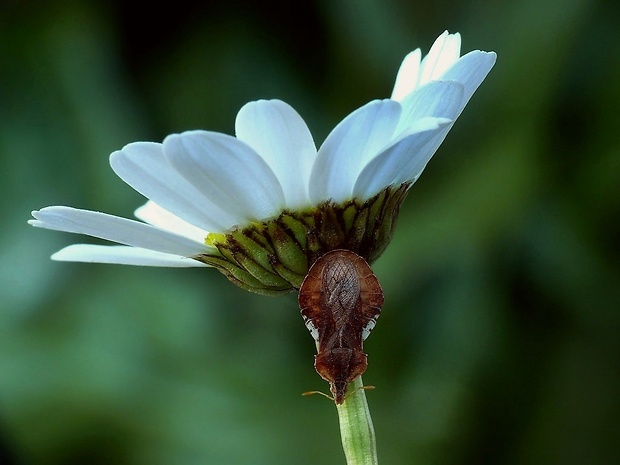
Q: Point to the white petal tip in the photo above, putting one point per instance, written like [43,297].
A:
[59,257]
[484,56]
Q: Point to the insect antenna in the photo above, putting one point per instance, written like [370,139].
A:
[311,393]
[361,387]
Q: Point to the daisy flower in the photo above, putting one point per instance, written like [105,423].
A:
[261,207]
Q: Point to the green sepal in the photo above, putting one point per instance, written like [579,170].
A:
[358,229]
[298,227]
[349,214]
[329,228]
[384,228]
[240,240]
[288,252]
[242,278]
[294,278]
[265,277]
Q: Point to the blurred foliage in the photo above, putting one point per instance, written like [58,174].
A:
[498,343]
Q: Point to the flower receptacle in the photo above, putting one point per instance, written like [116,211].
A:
[274,256]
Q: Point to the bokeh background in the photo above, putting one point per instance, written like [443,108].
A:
[499,342]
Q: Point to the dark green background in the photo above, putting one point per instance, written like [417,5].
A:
[499,340]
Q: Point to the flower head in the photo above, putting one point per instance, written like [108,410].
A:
[262,206]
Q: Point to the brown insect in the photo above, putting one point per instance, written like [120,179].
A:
[340,300]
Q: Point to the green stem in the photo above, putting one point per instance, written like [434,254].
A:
[356,430]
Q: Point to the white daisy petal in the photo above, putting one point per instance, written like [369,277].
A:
[444,53]
[423,154]
[399,162]
[282,138]
[122,255]
[408,75]
[144,167]
[441,99]
[228,172]
[470,70]
[153,214]
[349,146]
[116,229]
